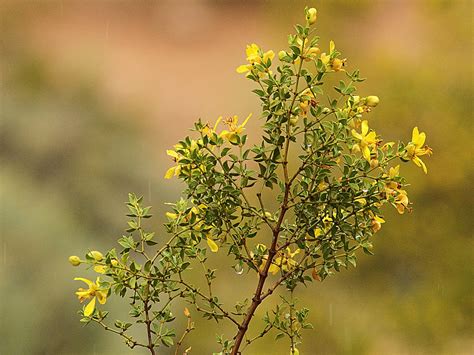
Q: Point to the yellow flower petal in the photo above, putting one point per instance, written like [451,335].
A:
[243,68]
[212,245]
[82,294]
[365,127]
[101,296]
[273,269]
[246,120]
[356,135]
[423,166]
[90,308]
[268,55]
[371,138]
[418,138]
[252,50]
[366,153]
[217,122]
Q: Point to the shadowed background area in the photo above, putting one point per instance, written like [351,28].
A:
[93,93]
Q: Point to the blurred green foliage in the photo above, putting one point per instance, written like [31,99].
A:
[69,156]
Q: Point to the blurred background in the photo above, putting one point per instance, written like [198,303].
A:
[93,92]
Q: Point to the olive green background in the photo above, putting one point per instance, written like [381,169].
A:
[93,92]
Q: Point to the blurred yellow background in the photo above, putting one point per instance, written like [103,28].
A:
[93,92]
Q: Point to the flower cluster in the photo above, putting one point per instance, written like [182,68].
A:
[259,62]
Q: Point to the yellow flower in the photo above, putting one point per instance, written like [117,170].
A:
[268,55]
[401,201]
[234,128]
[253,53]
[323,186]
[394,171]
[377,223]
[255,56]
[311,53]
[288,262]
[318,232]
[367,140]
[335,64]
[416,148]
[392,188]
[274,267]
[94,291]
[208,131]
[307,99]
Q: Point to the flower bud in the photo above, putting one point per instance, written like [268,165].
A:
[326,110]
[311,15]
[312,53]
[294,120]
[372,101]
[282,54]
[114,262]
[355,149]
[74,260]
[356,99]
[97,255]
[374,163]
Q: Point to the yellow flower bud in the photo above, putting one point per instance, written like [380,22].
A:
[186,312]
[293,120]
[374,163]
[114,262]
[282,54]
[312,53]
[97,255]
[311,15]
[75,260]
[372,101]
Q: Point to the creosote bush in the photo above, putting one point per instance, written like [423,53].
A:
[329,202]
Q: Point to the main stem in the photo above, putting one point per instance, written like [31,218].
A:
[257,298]
[150,346]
